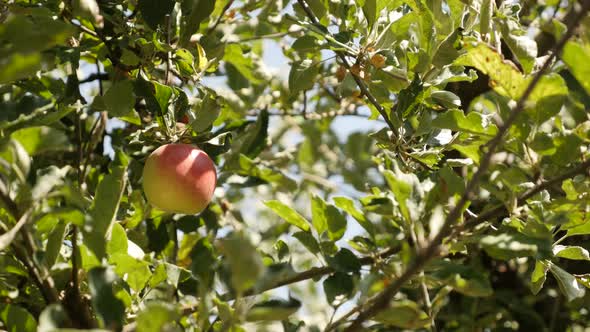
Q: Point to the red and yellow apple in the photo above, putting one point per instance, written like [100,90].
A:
[179,178]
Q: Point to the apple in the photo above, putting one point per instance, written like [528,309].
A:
[184,119]
[179,178]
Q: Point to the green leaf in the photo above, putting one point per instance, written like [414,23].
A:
[242,63]
[453,183]
[464,279]
[327,217]
[583,229]
[485,20]
[370,11]
[18,66]
[584,279]
[431,158]
[308,241]
[538,277]
[206,112]
[156,95]
[507,246]
[87,258]
[25,35]
[193,13]
[338,285]
[571,252]
[543,144]
[203,260]
[136,272]
[244,261]
[548,96]
[318,215]
[17,319]
[176,275]
[567,149]
[119,100]
[318,7]
[504,76]
[405,314]
[159,276]
[54,244]
[34,30]
[272,310]
[344,261]
[448,50]
[42,116]
[155,11]
[38,140]
[185,62]
[568,284]
[255,139]
[402,190]
[575,54]
[246,166]
[305,43]
[118,243]
[522,46]
[347,205]
[107,306]
[288,214]
[104,209]
[158,316]
[302,76]
[474,123]
[445,99]
[282,249]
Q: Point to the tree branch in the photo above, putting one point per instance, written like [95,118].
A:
[314,272]
[500,209]
[381,301]
[359,81]
[25,254]
[94,77]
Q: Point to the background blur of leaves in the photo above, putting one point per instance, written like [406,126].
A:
[319,189]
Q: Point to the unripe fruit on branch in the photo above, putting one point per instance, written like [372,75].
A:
[179,178]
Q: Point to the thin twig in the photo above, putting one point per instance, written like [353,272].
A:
[320,116]
[85,29]
[254,38]
[312,273]
[220,17]
[168,54]
[95,76]
[423,288]
[47,289]
[381,301]
[74,239]
[359,81]
[304,111]
[100,89]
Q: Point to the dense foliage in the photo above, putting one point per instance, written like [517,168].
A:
[413,164]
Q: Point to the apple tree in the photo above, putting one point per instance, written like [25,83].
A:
[382,165]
